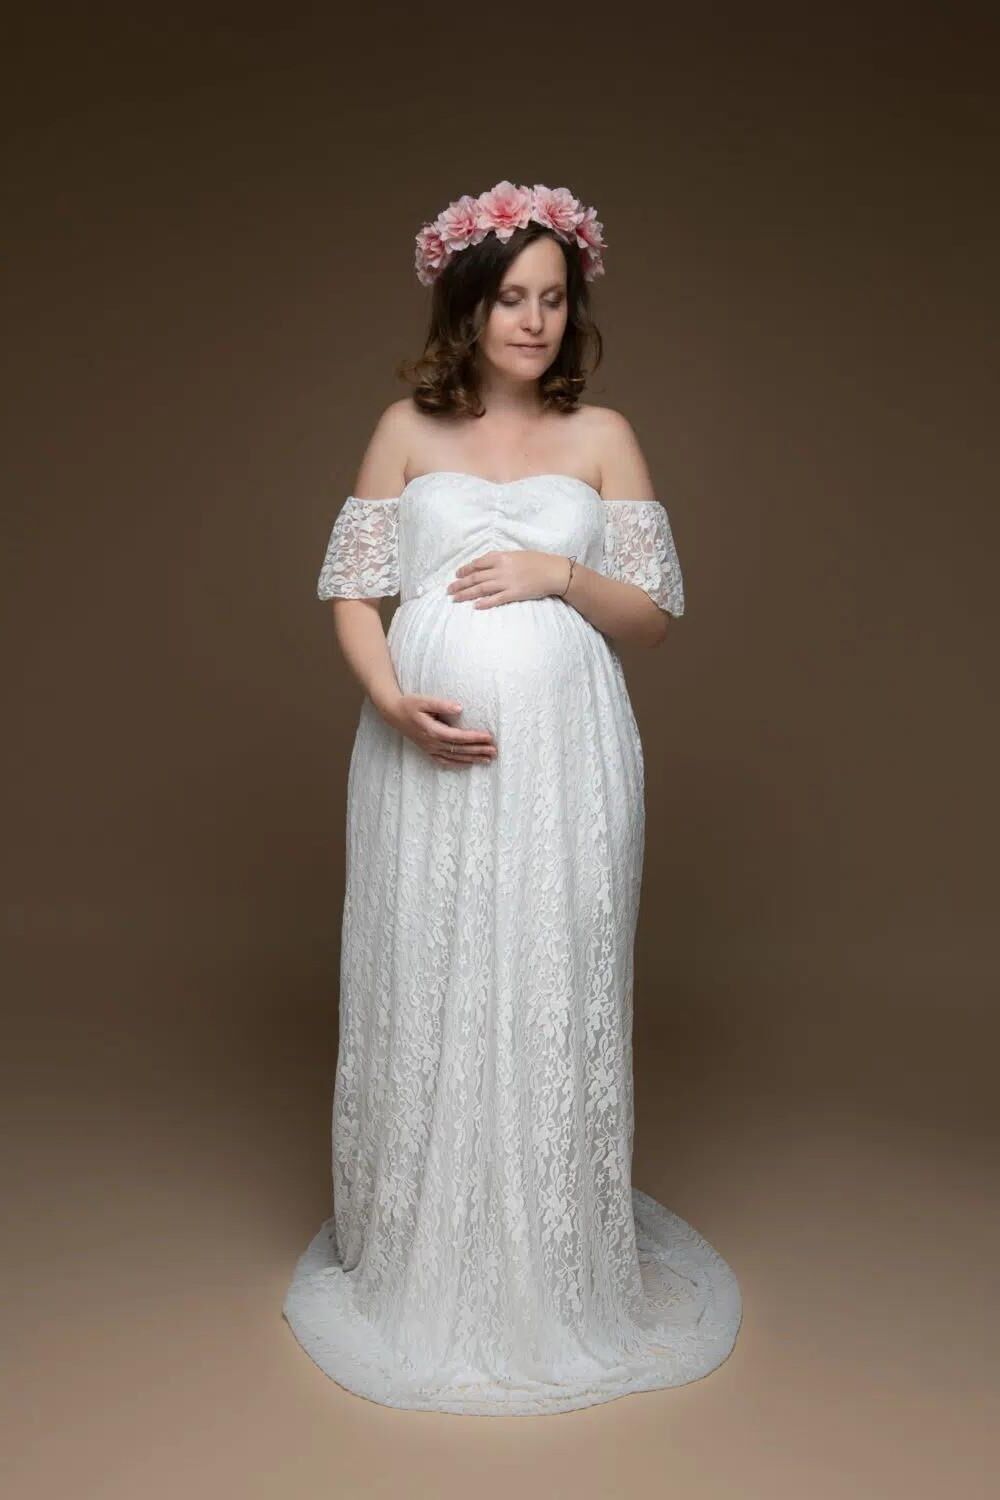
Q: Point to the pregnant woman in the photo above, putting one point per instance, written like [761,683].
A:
[486,1251]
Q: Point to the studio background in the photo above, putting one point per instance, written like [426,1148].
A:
[209,284]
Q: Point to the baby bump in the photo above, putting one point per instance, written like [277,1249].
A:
[510,656]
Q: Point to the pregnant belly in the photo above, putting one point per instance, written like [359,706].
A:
[530,655]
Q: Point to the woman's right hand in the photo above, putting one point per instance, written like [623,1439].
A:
[417,716]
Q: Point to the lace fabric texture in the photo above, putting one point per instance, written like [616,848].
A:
[362,558]
[362,555]
[639,548]
[486,1251]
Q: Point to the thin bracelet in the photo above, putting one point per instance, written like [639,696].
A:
[572,565]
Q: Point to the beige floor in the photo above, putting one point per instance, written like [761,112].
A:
[168,1179]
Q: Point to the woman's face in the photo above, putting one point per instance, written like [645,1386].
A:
[525,327]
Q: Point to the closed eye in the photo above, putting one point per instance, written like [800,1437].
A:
[513,301]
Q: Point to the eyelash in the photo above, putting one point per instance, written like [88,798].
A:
[505,303]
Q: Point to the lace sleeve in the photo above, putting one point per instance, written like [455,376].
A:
[362,556]
[639,548]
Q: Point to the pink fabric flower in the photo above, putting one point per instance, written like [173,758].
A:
[432,254]
[593,265]
[590,230]
[459,224]
[557,209]
[590,238]
[505,208]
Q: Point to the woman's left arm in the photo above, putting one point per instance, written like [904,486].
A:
[640,585]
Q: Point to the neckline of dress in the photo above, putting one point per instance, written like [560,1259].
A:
[499,484]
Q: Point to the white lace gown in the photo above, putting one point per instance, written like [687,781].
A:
[486,1251]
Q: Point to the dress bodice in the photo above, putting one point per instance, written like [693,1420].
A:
[446,520]
[411,544]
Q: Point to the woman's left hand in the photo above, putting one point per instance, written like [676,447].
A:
[502,577]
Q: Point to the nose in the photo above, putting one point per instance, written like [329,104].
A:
[533,319]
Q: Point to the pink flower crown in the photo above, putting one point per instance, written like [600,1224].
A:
[501,210]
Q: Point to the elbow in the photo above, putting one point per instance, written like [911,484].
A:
[659,628]
[667,612]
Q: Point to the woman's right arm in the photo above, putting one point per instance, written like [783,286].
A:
[371,575]
[361,638]
[357,622]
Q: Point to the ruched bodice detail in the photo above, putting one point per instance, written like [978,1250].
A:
[447,521]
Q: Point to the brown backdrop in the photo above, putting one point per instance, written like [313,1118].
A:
[210,281]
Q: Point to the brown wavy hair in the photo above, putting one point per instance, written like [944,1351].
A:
[444,377]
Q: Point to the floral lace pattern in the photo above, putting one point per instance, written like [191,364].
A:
[486,1250]
[362,560]
[639,548]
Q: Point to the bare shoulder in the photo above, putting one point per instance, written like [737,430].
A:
[381,473]
[625,473]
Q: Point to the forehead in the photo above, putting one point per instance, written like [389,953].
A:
[540,263]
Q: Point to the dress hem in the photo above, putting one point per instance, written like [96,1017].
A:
[325,1328]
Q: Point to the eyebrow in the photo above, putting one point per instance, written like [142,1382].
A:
[515,286]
